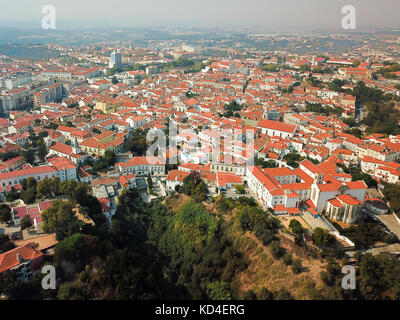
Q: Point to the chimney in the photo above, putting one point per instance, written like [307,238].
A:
[19,258]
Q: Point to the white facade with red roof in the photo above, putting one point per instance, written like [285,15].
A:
[175,178]
[15,177]
[283,188]
[276,128]
[142,166]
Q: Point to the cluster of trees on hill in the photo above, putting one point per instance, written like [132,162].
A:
[190,65]
[253,219]
[232,110]
[152,252]
[194,186]
[294,158]
[358,175]
[382,118]
[318,108]
[35,146]
[364,94]
[377,278]
[382,115]
[261,162]
[388,71]
[102,163]
[392,194]
[137,143]
[336,85]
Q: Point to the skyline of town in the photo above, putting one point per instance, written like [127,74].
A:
[305,14]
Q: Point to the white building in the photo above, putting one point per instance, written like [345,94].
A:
[276,128]
[142,166]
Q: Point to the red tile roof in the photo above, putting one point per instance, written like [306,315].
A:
[26,172]
[345,198]
[357,185]
[276,125]
[9,259]
[176,175]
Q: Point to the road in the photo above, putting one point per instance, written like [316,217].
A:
[390,221]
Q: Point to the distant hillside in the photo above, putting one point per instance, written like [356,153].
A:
[32,52]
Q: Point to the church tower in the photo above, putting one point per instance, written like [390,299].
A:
[75,147]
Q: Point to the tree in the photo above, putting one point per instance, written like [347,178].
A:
[193,185]
[297,266]
[260,162]
[240,189]
[296,227]
[77,249]
[68,188]
[149,181]
[292,159]
[276,249]
[29,155]
[28,193]
[351,122]
[48,188]
[8,155]
[265,294]
[304,68]
[200,192]
[5,213]
[5,243]
[245,221]
[80,194]
[61,219]
[26,222]
[355,132]
[114,80]
[322,238]
[110,157]
[188,185]
[219,290]
[42,150]
[287,258]
[12,195]
[137,143]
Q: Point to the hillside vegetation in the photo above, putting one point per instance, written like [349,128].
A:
[183,249]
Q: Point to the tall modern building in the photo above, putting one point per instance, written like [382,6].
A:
[115,60]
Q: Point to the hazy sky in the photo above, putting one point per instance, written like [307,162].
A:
[222,13]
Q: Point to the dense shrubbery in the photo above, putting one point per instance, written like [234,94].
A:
[392,193]
[194,186]
[254,219]
[137,143]
[155,253]
[318,108]
[378,277]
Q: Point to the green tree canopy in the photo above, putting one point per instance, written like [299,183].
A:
[61,219]
[5,213]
